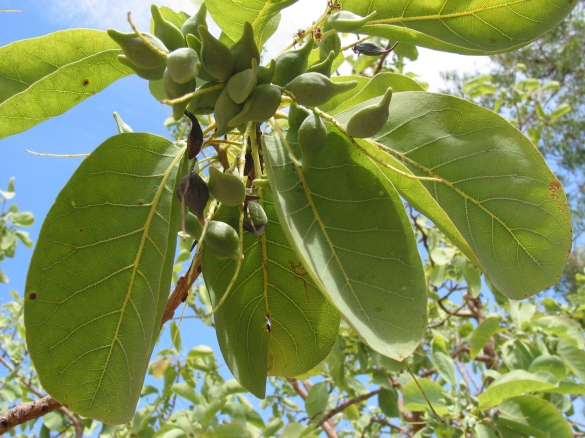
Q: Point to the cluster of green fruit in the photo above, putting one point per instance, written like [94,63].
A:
[239,91]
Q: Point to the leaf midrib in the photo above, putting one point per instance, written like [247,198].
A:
[146,230]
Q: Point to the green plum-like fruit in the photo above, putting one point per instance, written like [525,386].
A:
[312,138]
[222,240]
[226,188]
[368,121]
[292,63]
[314,89]
[137,51]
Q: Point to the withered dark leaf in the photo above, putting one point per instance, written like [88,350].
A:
[195,139]
[194,192]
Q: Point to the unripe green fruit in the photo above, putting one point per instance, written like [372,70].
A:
[157,89]
[323,67]
[194,43]
[183,65]
[137,51]
[122,127]
[292,63]
[166,31]
[296,115]
[241,85]
[225,110]
[260,106]
[265,74]
[192,226]
[173,90]
[258,218]
[245,49]
[314,89]
[194,192]
[329,44]
[226,188]
[191,25]
[370,120]
[215,56]
[312,138]
[345,21]
[205,103]
[222,240]
[151,74]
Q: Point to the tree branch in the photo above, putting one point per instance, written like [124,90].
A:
[345,405]
[24,412]
[386,423]
[328,428]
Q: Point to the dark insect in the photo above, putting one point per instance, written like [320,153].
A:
[194,193]
[195,139]
[371,49]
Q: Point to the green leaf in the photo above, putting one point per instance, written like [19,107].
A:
[514,383]
[480,28]
[573,357]
[351,230]
[565,328]
[9,193]
[416,402]
[304,325]
[559,111]
[99,277]
[233,430]
[497,190]
[54,421]
[482,334]
[534,417]
[442,361]
[43,77]
[23,237]
[388,402]
[552,364]
[570,387]
[188,393]
[212,409]
[3,277]
[230,16]
[317,400]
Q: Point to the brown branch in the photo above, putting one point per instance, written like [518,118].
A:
[328,427]
[346,404]
[28,411]
[386,423]
[181,292]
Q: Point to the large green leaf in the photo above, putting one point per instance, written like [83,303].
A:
[414,400]
[573,357]
[442,361]
[534,417]
[562,327]
[514,383]
[352,233]
[473,27]
[230,16]
[482,334]
[497,190]
[99,278]
[303,324]
[43,77]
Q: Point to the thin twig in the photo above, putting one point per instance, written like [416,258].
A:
[346,404]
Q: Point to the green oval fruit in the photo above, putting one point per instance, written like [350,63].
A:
[296,115]
[345,21]
[260,106]
[329,44]
[205,103]
[194,43]
[122,127]
[137,51]
[192,226]
[194,192]
[255,218]
[216,57]
[225,110]
[245,49]
[166,31]
[174,90]
[324,67]
[370,120]
[314,89]
[226,188]
[241,85]
[222,240]
[157,89]
[292,63]
[265,74]
[191,25]
[151,74]
[183,65]
[312,138]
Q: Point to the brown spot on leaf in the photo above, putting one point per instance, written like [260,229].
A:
[32,296]
[493,40]
[554,186]
[554,197]
[81,231]
[140,202]
[86,82]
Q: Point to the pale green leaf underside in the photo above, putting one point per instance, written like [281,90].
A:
[230,16]
[498,191]
[514,383]
[352,233]
[304,324]
[43,77]
[99,278]
[472,27]
[535,417]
